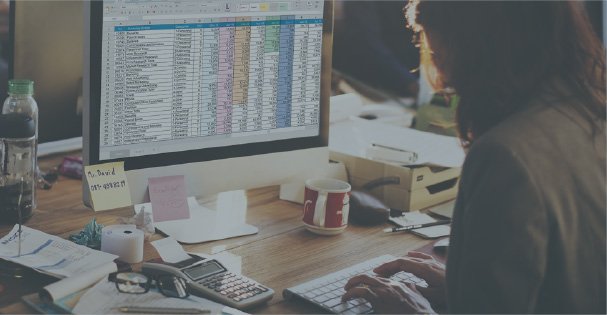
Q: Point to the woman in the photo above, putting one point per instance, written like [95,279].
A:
[528,232]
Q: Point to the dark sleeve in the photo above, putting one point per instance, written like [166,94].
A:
[498,249]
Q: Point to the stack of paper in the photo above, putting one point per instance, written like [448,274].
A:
[51,254]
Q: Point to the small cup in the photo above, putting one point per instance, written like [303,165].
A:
[326,206]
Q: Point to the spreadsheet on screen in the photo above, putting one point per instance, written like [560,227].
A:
[185,75]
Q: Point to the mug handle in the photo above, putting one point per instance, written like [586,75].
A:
[320,209]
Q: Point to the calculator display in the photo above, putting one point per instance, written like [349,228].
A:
[203,270]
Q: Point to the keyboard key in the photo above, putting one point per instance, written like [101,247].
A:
[340,291]
[310,295]
[332,302]
[360,301]
[332,294]
[361,309]
[340,308]
[322,298]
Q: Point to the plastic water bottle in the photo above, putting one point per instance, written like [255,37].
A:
[18,153]
[20,100]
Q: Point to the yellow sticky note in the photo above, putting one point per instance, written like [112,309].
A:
[108,186]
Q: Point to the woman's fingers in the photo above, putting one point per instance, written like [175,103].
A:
[420,255]
[420,268]
[363,280]
[360,292]
[402,264]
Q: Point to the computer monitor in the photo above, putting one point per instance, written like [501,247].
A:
[230,94]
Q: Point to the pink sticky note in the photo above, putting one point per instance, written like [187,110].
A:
[169,198]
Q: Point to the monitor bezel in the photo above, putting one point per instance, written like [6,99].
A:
[92,122]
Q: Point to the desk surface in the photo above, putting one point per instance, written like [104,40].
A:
[281,255]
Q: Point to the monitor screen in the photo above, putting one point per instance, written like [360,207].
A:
[178,76]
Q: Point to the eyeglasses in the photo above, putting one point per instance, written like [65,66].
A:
[137,283]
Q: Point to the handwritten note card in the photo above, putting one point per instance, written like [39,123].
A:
[108,186]
[169,198]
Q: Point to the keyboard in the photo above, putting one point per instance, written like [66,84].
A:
[326,291]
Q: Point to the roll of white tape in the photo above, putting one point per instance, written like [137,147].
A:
[126,241]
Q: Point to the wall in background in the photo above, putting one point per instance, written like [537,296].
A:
[48,50]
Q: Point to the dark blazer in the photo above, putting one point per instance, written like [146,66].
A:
[528,231]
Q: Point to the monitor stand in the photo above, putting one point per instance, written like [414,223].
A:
[205,224]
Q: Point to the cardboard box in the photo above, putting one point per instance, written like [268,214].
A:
[401,187]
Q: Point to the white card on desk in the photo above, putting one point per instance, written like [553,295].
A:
[433,231]
[412,218]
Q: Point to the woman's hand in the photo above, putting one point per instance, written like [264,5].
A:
[387,296]
[425,267]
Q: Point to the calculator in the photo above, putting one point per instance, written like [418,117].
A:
[208,278]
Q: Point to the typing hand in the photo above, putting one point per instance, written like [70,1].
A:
[387,296]
[425,267]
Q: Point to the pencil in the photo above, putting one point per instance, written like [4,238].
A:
[416,226]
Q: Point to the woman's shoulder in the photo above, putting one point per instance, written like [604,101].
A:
[549,142]
[543,127]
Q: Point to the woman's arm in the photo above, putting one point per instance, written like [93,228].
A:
[499,241]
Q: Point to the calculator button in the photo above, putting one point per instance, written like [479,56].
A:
[223,292]
[237,299]
[263,289]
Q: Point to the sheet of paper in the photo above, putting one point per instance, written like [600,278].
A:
[354,136]
[218,224]
[169,198]
[170,251]
[104,298]
[51,254]
[412,218]
[108,186]
[70,285]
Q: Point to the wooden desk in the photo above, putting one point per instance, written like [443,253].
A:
[281,255]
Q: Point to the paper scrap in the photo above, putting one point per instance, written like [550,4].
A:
[170,251]
[108,186]
[169,198]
